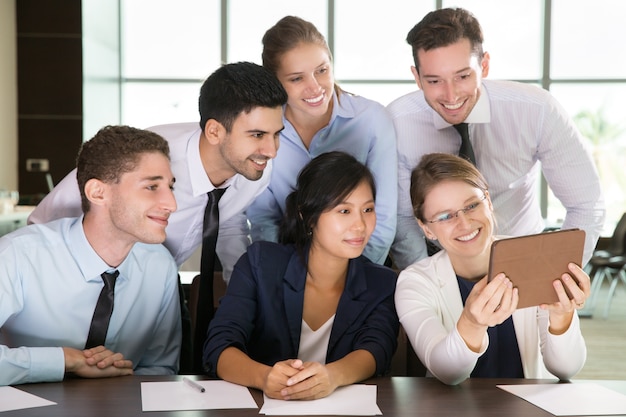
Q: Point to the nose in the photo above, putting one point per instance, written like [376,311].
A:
[450,92]
[462,218]
[168,201]
[312,84]
[359,222]
[269,146]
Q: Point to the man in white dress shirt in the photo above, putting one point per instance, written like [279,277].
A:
[516,130]
[240,121]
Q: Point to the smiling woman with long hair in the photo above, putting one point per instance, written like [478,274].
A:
[320,117]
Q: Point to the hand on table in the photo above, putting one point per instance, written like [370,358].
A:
[97,362]
[296,380]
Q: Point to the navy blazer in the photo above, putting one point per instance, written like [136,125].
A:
[261,312]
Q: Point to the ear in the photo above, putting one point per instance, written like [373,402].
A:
[484,64]
[427,232]
[96,192]
[416,75]
[489,203]
[214,131]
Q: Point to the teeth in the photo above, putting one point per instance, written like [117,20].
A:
[314,100]
[468,237]
[259,162]
[453,106]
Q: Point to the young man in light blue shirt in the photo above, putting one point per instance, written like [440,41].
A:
[50,274]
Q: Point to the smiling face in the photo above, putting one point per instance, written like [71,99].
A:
[252,141]
[344,230]
[450,77]
[306,74]
[140,204]
[468,234]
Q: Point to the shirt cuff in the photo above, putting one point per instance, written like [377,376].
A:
[47,364]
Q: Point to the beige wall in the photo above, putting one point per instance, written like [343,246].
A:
[8,96]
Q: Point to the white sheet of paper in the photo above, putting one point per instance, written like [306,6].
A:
[571,399]
[176,395]
[345,401]
[16,399]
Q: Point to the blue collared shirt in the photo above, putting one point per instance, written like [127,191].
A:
[359,127]
[49,286]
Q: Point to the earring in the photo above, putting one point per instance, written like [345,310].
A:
[310,232]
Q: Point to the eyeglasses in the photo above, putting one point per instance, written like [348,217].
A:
[451,215]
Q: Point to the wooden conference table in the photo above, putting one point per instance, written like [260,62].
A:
[397,397]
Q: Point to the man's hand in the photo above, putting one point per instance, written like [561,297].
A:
[97,362]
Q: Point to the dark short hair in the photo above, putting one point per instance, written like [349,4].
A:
[435,168]
[322,184]
[236,88]
[444,27]
[112,152]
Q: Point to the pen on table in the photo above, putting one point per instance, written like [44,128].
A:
[193,384]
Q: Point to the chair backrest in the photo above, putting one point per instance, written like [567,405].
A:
[617,246]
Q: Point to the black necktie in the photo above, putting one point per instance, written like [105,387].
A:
[102,312]
[205,307]
[466,151]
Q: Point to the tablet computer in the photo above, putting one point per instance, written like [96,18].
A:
[533,262]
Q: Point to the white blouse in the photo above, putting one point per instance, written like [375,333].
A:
[314,344]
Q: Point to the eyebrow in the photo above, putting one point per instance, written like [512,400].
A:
[465,203]
[157,178]
[352,204]
[291,74]
[264,131]
[456,73]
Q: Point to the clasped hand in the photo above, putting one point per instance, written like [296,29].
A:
[97,362]
[296,380]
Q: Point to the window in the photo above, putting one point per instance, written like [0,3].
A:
[168,49]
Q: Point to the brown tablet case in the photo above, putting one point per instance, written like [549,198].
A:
[533,262]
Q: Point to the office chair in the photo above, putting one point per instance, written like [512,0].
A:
[604,264]
[198,332]
[617,269]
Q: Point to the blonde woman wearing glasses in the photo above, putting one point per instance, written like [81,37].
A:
[459,324]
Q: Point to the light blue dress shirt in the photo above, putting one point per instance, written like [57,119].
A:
[49,286]
[518,131]
[359,127]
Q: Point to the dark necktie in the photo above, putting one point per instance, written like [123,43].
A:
[205,307]
[102,312]
[466,151]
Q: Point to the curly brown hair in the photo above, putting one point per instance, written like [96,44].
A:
[112,152]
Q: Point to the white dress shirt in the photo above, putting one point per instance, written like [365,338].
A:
[184,231]
[517,131]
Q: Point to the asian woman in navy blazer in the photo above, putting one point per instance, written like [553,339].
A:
[306,316]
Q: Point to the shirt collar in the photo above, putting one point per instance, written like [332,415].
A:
[89,262]
[481,113]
